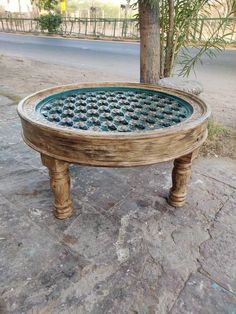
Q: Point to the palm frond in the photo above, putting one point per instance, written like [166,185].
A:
[188,26]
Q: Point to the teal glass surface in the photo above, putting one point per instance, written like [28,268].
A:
[114,109]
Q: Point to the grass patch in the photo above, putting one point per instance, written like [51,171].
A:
[216,130]
[14,98]
[221,141]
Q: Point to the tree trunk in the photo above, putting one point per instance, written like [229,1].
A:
[162,35]
[19,6]
[149,42]
[169,41]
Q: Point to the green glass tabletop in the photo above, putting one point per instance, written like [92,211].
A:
[114,109]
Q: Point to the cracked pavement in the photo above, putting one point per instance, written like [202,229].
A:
[125,250]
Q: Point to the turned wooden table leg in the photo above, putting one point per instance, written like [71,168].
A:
[60,184]
[180,176]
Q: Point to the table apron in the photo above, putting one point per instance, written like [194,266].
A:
[125,152]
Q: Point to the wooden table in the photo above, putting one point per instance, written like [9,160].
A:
[113,125]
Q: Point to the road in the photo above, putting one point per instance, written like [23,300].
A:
[113,57]
[107,56]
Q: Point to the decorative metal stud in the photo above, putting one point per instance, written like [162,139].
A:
[115,110]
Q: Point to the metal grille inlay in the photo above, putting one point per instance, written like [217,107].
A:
[114,109]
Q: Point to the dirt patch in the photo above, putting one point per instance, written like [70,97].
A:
[13,98]
[222,145]
[221,141]
[22,76]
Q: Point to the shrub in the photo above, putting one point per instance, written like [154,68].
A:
[50,22]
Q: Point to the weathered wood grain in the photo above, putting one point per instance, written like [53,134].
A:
[60,146]
[60,185]
[114,148]
[125,152]
[180,176]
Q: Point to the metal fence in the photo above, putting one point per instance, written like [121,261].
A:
[77,27]
[114,28]
[118,28]
[205,28]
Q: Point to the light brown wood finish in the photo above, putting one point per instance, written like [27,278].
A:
[180,176]
[119,149]
[60,146]
[60,184]
[113,152]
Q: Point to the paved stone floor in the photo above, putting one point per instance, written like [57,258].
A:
[124,250]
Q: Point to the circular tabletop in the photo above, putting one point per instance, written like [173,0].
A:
[113,124]
[114,109]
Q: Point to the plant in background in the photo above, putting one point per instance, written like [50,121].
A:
[46,5]
[50,22]
[183,24]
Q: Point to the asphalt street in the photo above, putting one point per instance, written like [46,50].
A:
[121,58]
[113,57]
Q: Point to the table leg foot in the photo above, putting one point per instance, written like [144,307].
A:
[60,185]
[180,176]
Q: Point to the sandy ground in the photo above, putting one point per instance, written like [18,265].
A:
[21,76]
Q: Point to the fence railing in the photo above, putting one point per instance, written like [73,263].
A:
[113,28]
[205,28]
[118,28]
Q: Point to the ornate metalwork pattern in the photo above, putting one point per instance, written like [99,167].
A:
[114,109]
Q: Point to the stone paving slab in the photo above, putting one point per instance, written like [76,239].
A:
[21,154]
[5,101]
[22,188]
[226,217]
[201,295]
[100,188]
[218,256]
[93,236]
[217,169]
[8,111]
[26,249]
[10,163]
[125,250]
[133,223]
[10,133]
[150,193]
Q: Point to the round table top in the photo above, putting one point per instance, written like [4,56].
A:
[113,124]
[114,109]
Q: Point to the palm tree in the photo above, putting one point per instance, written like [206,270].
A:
[169,27]
[149,41]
